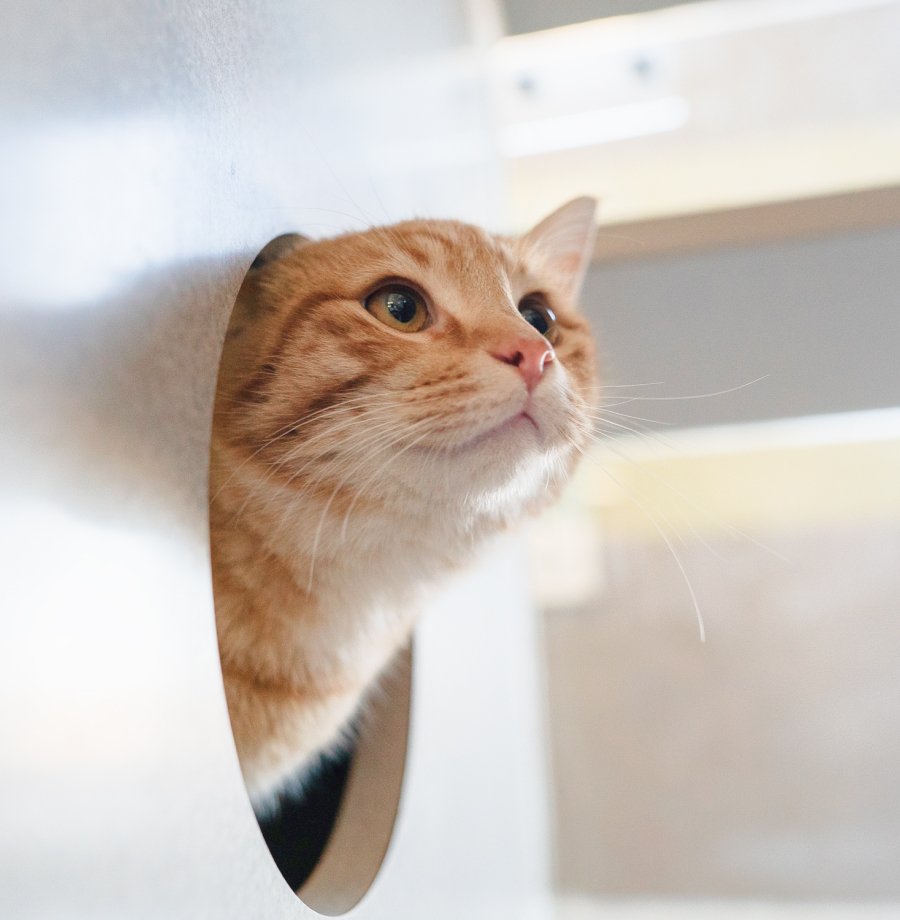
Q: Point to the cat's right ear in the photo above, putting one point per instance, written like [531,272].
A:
[565,240]
[278,249]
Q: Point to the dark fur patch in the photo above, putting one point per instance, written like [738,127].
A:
[337,393]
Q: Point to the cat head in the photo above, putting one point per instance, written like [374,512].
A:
[425,360]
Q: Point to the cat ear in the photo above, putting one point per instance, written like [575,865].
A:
[278,249]
[565,240]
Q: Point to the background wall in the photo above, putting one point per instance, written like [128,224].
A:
[750,775]
[818,319]
[531,15]
[758,766]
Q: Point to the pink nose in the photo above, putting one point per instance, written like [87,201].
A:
[530,356]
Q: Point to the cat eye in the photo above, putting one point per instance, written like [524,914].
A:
[398,307]
[535,312]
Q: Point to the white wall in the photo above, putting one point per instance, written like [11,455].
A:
[149,150]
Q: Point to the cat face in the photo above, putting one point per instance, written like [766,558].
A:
[427,360]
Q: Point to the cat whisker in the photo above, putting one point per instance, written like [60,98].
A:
[637,418]
[362,416]
[375,475]
[666,540]
[355,417]
[291,427]
[735,532]
[365,459]
[344,425]
[735,389]
[648,436]
[372,435]
[366,223]
[327,437]
[387,217]
[608,444]
[622,386]
[351,405]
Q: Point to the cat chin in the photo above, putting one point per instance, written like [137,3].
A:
[518,433]
[492,472]
[505,471]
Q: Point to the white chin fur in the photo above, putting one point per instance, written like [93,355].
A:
[520,456]
[503,467]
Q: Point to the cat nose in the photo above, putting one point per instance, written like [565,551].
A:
[530,356]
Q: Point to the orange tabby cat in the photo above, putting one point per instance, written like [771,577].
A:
[387,400]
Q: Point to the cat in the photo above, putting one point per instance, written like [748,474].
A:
[387,400]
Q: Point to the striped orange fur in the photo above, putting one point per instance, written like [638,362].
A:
[355,462]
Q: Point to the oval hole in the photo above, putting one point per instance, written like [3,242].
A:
[330,844]
[365,821]
[328,838]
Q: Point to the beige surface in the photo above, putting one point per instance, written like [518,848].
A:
[704,106]
[762,764]
[767,475]
[848,212]
[585,909]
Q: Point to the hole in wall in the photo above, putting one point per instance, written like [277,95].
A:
[328,825]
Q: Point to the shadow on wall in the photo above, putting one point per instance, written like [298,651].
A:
[113,418]
[121,423]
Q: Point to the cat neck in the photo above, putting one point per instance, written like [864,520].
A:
[319,588]
[330,544]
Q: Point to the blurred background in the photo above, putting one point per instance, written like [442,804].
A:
[706,701]
[746,290]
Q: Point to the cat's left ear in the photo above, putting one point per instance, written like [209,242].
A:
[278,248]
[565,240]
